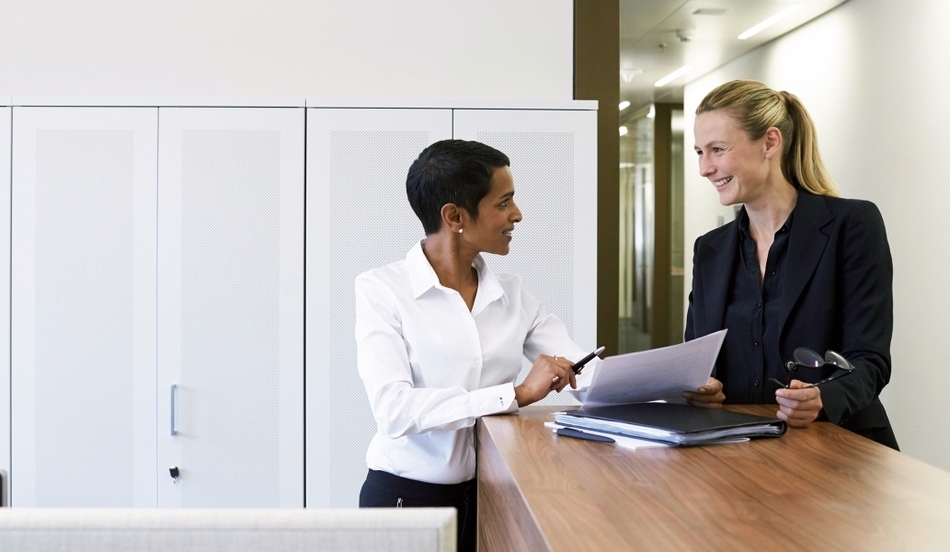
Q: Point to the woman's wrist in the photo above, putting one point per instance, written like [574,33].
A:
[521,396]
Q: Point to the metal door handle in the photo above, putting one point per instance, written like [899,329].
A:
[174,409]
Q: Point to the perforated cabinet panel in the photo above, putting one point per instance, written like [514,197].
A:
[542,166]
[230,228]
[358,218]
[224,342]
[84,307]
[553,163]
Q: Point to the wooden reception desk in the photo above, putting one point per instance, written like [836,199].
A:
[821,488]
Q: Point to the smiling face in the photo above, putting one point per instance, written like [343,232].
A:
[738,167]
[497,216]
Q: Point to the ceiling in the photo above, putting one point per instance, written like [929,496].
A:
[658,37]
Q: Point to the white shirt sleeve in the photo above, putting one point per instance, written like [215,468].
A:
[398,406]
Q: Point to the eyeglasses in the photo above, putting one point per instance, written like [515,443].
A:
[807,358]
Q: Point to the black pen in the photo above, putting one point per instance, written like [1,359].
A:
[578,434]
[580,363]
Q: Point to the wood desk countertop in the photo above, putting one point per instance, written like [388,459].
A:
[821,488]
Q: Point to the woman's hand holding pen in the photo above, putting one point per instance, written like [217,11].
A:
[709,395]
[547,374]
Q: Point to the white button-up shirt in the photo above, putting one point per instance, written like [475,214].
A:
[431,367]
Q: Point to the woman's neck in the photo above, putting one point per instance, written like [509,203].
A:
[769,213]
[451,261]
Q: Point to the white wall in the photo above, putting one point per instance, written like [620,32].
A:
[353,49]
[875,77]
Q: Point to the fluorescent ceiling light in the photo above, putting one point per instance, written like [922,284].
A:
[624,105]
[770,21]
[710,11]
[623,131]
[678,73]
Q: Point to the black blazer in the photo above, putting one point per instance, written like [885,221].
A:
[837,295]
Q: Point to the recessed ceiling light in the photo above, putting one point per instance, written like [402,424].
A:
[624,105]
[770,21]
[623,131]
[669,78]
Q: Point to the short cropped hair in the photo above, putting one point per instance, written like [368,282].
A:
[451,171]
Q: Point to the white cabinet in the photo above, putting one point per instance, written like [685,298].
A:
[230,317]
[160,259]
[127,283]
[357,218]
[83,307]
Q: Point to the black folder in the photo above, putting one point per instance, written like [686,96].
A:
[676,424]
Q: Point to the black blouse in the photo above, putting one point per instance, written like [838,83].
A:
[750,354]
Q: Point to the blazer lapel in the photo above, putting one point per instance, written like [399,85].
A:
[717,271]
[806,245]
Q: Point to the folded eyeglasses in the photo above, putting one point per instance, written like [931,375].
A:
[807,358]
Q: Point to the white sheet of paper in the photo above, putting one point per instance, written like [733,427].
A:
[657,374]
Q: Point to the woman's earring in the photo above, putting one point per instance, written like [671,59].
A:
[460,230]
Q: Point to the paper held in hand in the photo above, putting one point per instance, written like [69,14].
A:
[657,374]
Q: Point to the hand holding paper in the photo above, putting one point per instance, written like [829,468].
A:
[710,395]
[657,374]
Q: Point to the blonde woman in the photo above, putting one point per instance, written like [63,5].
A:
[799,267]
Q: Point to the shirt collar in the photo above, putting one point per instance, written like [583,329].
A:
[424,278]
[489,288]
[421,273]
[743,222]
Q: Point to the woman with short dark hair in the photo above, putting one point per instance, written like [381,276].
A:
[440,337]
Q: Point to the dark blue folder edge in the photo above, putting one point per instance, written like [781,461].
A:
[685,422]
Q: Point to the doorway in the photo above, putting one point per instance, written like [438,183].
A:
[651,248]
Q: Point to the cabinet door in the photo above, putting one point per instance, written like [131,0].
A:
[554,164]
[5,119]
[83,307]
[230,321]
[358,218]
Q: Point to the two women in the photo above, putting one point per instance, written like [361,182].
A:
[798,267]
[440,337]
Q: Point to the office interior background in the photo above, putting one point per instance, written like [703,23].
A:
[872,73]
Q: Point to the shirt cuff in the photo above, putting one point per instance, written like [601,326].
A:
[497,399]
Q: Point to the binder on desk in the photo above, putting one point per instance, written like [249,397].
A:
[676,424]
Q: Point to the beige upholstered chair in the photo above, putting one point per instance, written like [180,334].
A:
[179,530]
